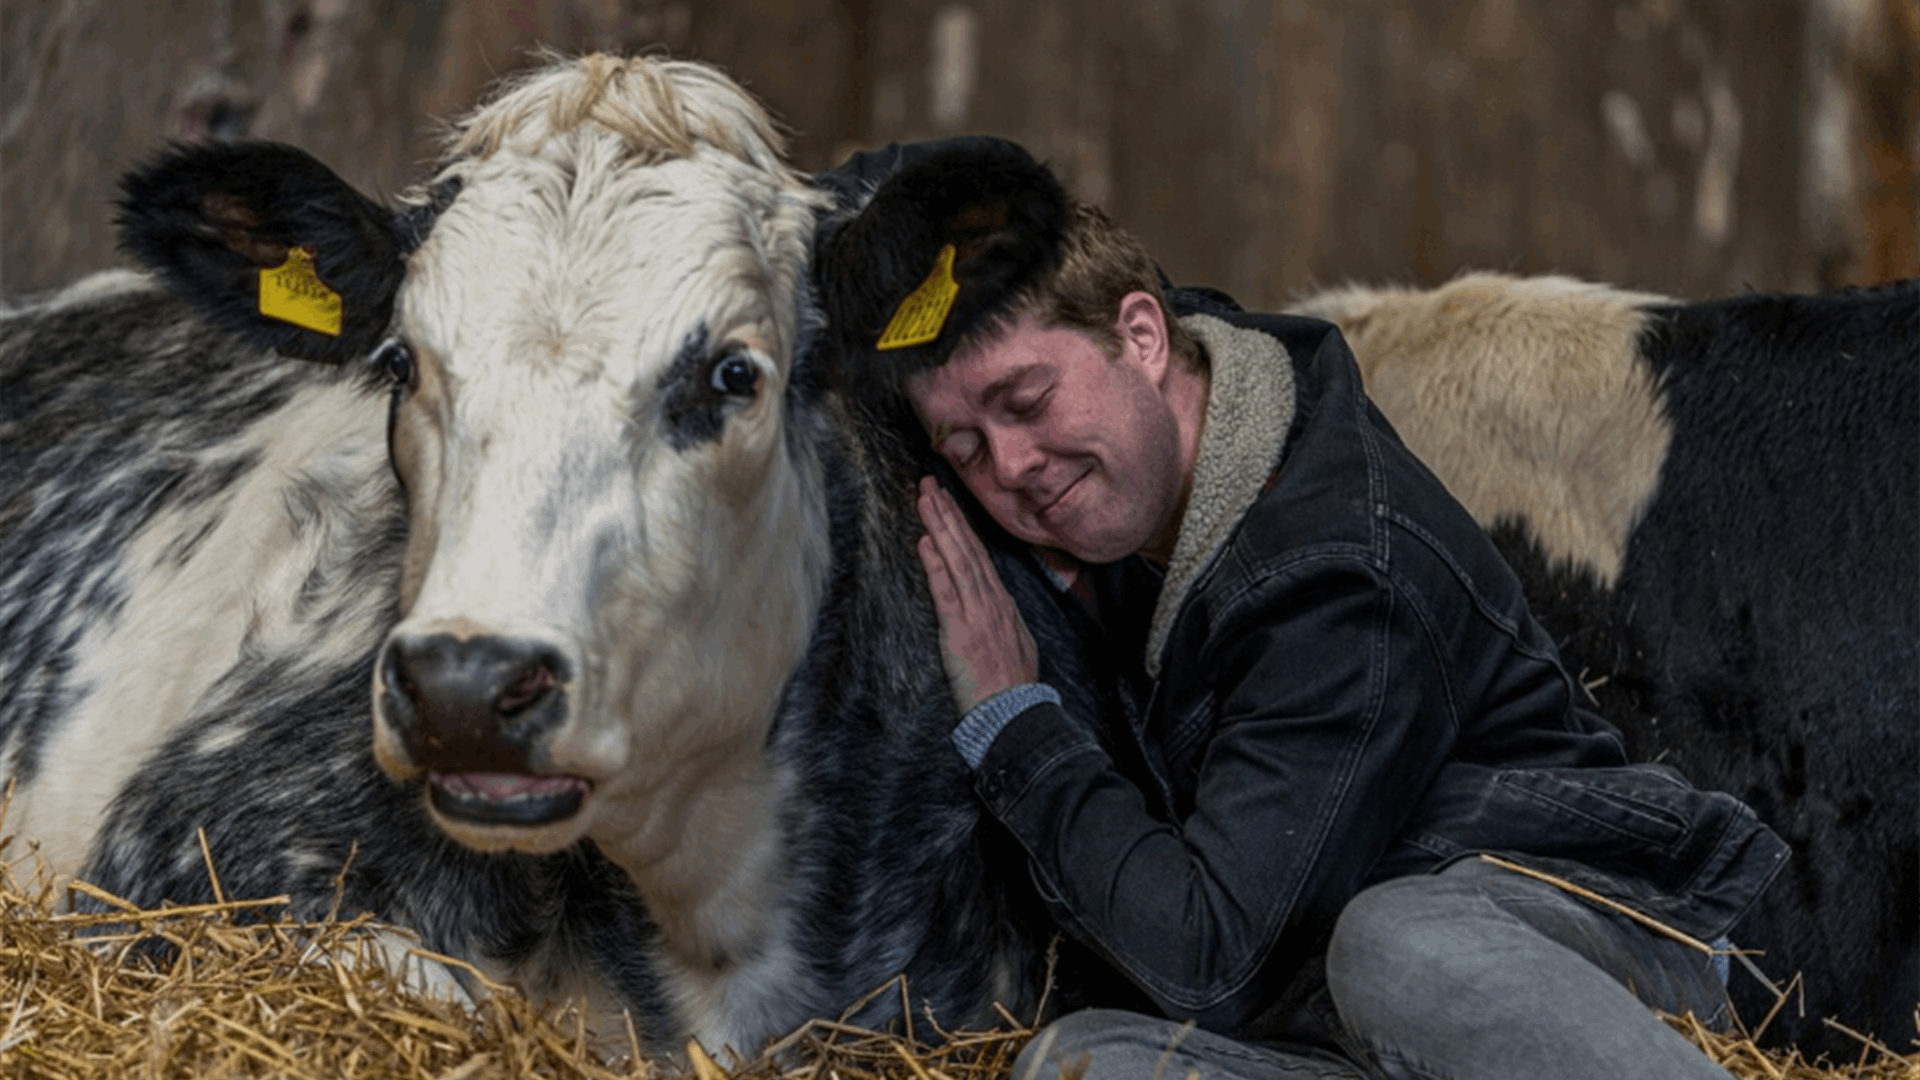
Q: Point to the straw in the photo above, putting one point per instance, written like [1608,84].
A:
[246,998]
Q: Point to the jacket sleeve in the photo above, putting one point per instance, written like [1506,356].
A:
[1330,715]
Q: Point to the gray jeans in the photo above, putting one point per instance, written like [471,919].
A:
[1476,972]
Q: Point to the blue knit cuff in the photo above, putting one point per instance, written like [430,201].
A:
[983,722]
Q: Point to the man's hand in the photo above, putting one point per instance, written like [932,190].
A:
[983,640]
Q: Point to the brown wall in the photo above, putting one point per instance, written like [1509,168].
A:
[1696,147]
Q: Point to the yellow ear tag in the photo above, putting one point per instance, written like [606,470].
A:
[292,292]
[920,317]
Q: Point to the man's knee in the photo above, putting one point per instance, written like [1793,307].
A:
[1417,951]
[1066,1047]
[1391,947]
[1404,921]
[1408,949]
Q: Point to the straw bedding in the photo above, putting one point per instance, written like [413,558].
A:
[241,996]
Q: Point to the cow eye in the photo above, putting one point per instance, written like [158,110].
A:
[734,374]
[394,361]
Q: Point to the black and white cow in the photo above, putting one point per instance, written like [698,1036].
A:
[1715,507]
[563,604]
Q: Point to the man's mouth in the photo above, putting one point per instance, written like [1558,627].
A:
[1046,512]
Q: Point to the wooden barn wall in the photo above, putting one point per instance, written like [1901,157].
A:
[1694,147]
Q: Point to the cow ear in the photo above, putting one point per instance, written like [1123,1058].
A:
[269,244]
[896,299]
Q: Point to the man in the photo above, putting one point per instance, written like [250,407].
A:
[1345,702]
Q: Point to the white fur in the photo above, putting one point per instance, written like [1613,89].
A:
[186,623]
[549,504]
[95,286]
[1526,396]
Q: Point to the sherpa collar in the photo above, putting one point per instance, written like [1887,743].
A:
[1249,411]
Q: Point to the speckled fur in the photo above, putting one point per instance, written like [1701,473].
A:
[141,450]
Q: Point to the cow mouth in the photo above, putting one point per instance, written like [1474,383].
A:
[506,798]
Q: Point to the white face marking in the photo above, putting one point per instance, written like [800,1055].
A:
[563,490]
[599,469]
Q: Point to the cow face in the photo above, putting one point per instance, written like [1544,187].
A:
[615,544]
[607,562]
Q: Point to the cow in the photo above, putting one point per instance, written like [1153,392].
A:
[1715,509]
[503,562]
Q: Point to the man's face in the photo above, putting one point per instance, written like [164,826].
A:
[1064,446]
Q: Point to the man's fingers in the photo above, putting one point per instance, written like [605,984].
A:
[963,532]
[964,550]
[965,564]
[984,643]
[939,576]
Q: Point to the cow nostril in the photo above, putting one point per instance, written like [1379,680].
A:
[401,693]
[478,704]
[526,691]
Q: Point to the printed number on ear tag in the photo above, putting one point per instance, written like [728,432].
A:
[292,292]
[920,317]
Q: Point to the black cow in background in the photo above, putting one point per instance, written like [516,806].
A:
[1715,508]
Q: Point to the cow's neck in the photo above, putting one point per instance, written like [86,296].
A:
[706,855]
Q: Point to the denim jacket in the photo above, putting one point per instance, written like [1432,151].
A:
[1340,684]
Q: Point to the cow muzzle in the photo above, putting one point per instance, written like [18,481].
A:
[475,713]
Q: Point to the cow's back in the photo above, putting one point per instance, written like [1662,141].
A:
[171,501]
[1771,643]
[1712,506]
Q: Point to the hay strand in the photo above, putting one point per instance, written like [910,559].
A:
[1611,905]
[252,995]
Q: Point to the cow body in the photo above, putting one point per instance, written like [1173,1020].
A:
[1715,508]
[567,429]
[182,512]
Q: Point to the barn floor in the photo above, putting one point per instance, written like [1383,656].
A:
[259,1000]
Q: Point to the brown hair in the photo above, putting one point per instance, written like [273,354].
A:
[1100,263]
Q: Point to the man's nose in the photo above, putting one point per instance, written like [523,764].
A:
[1016,457]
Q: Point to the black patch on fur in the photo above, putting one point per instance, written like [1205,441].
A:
[1764,633]
[1006,216]
[1774,578]
[692,411]
[808,374]
[209,218]
[687,409]
[1592,626]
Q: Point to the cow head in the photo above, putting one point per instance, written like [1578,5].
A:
[588,320]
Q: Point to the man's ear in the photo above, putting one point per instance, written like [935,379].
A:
[267,243]
[1142,326]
